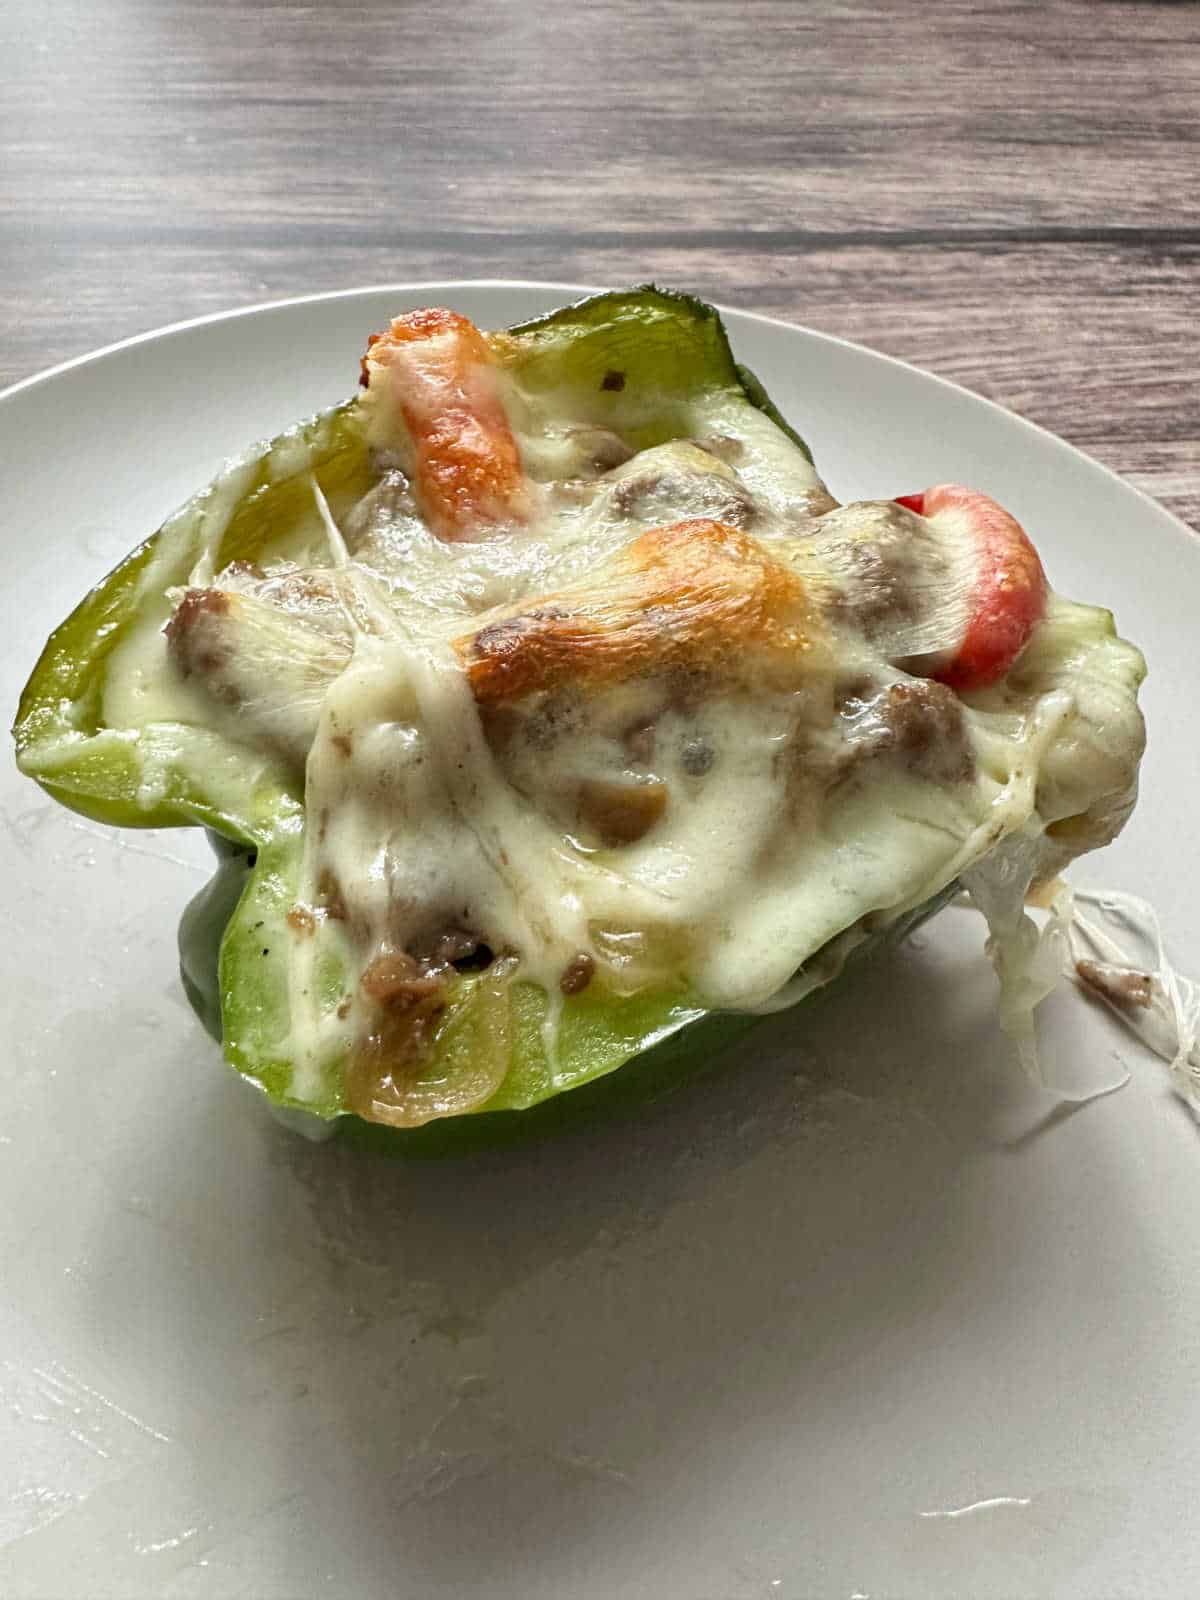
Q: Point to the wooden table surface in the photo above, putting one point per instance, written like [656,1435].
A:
[1007,194]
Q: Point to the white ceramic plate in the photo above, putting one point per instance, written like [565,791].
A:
[823,1325]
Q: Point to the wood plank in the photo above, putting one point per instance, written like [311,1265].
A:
[727,114]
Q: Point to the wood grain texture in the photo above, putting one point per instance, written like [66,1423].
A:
[1007,194]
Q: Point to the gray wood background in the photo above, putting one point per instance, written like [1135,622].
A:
[1008,194]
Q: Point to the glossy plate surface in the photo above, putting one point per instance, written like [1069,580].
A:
[845,1318]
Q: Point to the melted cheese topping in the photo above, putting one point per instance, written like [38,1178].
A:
[552,738]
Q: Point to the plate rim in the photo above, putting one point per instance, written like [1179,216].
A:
[166,330]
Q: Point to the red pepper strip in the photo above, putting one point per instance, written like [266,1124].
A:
[1009,594]
[440,371]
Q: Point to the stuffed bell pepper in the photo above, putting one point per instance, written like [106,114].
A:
[551,718]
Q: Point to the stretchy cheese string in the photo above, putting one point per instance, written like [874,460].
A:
[1169,1024]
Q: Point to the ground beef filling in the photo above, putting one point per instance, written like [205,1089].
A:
[916,722]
